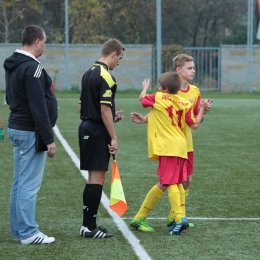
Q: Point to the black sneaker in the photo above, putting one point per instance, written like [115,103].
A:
[99,232]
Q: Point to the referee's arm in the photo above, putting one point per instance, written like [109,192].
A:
[107,118]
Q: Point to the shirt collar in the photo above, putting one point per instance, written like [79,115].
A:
[102,64]
[27,54]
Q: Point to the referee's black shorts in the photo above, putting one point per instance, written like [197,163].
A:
[93,145]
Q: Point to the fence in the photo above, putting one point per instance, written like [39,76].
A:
[223,68]
[135,66]
[207,64]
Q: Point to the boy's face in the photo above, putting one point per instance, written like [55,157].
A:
[187,71]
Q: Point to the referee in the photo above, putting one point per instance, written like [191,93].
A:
[97,135]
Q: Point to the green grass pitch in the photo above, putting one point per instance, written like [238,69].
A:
[223,201]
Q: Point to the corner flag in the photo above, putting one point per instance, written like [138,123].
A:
[117,197]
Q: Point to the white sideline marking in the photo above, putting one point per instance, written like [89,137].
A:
[202,218]
[235,219]
[133,241]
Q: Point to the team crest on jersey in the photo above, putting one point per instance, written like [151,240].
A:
[191,100]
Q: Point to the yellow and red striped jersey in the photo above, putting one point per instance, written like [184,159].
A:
[192,94]
[166,124]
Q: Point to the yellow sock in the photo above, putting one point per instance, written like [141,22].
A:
[151,199]
[186,193]
[183,198]
[175,201]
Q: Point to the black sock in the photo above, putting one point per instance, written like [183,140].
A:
[85,209]
[92,202]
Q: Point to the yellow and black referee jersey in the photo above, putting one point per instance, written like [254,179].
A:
[98,87]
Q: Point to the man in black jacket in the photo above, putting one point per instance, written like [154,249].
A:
[33,106]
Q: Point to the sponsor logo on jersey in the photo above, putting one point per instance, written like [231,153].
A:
[108,93]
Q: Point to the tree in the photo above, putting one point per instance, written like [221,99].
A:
[186,22]
[94,21]
[12,17]
[10,13]
[87,21]
[15,15]
[53,20]
[133,21]
[200,22]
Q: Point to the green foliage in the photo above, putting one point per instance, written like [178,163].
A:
[186,22]
[168,53]
[199,23]
[58,37]
[87,21]
[133,21]
[239,35]
[13,17]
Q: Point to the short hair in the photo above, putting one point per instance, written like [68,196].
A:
[170,81]
[31,33]
[110,46]
[179,60]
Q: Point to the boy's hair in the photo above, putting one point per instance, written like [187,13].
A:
[170,81]
[179,60]
[32,33]
[110,46]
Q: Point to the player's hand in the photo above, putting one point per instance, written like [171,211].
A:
[137,118]
[51,150]
[118,116]
[145,84]
[210,102]
[203,104]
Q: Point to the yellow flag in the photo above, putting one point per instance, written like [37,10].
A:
[117,196]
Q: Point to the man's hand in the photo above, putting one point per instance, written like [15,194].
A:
[138,118]
[51,150]
[118,116]
[113,147]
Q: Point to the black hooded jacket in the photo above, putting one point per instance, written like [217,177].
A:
[29,96]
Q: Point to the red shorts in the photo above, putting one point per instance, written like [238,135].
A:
[172,170]
[190,164]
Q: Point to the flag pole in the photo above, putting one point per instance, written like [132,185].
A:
[67,46]
[249,45]
[159,37]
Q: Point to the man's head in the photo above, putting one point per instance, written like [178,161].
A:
[183,64]
[33,40]
[112,52]
[170,82]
